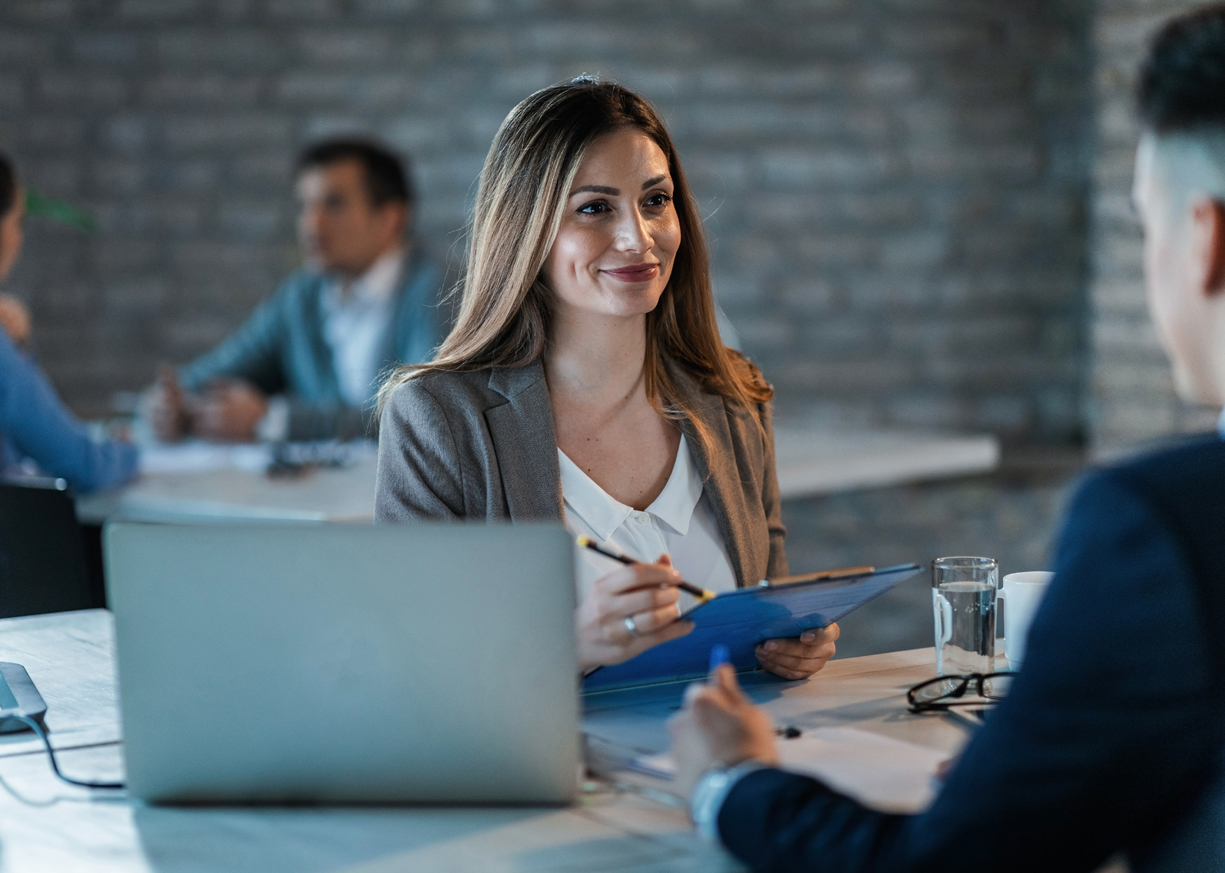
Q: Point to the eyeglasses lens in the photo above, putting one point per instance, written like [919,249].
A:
[996,687]
[948,686]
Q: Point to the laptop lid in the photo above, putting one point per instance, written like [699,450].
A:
[335,663]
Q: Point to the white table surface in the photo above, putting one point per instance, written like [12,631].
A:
[814,461]
[239,494]
[220,483]
[45,825]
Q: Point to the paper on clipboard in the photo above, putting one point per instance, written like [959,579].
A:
[741,619]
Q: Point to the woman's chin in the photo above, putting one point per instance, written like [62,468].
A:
[620,305]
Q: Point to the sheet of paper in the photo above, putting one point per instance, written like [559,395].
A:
[198,456]
[878,771]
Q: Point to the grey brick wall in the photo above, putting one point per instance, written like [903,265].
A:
[895,189]
[1132,397]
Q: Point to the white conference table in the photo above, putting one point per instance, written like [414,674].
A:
[202,483]
[198,482]
[619,823]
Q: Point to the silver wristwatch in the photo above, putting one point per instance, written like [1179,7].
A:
[710,792]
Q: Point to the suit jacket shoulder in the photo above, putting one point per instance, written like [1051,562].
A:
[1183,488]
[471,445]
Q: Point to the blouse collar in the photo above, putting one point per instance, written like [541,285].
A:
[674,506]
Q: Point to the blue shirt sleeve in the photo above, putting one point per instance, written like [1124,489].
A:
[34,420]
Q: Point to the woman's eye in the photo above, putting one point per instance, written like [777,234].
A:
[597,208]
[659,200]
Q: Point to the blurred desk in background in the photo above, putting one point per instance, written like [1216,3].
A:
[199,482]
[813,461]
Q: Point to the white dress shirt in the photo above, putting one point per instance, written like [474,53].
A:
[356,319]
[679,522]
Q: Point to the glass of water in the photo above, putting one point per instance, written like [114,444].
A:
[963,603]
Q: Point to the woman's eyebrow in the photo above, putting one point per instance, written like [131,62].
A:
[615,192]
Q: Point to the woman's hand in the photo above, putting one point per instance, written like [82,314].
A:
[644,593]
[15,320]
[799,659]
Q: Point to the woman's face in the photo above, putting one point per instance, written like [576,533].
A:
[619,231]
[11,235]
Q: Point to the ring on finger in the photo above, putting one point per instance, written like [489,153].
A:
[631,627]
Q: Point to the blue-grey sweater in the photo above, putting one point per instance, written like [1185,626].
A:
[35,424]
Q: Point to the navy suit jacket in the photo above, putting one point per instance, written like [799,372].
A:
[1111,739]
[281,349]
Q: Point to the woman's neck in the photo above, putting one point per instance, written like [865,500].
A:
[596,357]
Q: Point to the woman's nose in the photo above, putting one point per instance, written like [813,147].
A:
[633,233]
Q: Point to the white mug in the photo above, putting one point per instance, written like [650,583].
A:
[1023,592]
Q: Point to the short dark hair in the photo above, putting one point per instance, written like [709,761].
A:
[1182,81]
[388,178]
[8,185]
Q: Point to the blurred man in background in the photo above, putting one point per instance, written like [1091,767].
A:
[305,365]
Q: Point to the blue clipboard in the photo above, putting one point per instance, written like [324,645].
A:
[743,618]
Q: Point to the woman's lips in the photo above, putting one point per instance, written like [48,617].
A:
[637,273]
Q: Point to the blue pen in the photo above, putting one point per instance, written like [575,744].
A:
[718,657]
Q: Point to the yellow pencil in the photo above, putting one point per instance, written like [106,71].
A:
[700,593]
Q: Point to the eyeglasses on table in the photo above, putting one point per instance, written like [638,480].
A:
[945,692]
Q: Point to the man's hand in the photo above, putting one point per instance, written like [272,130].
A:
[799,658]
[719,725]
[229,411]
[15,320]
[166,406]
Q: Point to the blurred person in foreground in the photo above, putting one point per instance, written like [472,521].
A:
[35,426]
[1111,738]
[305,365]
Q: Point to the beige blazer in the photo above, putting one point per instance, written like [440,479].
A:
[481,445]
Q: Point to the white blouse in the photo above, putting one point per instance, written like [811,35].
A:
[679,522]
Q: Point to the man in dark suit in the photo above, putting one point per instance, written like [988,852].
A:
[306,364]
[1112,739]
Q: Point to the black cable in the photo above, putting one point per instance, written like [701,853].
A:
[55,767]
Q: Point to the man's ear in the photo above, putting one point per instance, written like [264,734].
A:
[1209,220]
[399,215]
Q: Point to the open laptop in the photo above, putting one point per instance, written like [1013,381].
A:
[345,663]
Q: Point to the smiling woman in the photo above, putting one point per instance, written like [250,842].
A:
[585,380]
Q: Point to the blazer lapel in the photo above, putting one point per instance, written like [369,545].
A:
[320,349]
[718,467]
[525,443]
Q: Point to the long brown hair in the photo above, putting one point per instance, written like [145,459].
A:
[504,310]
